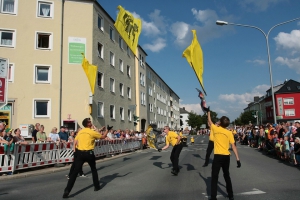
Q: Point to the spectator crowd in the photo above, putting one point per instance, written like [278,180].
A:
[279,140]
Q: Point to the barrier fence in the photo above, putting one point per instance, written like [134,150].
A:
[42,154]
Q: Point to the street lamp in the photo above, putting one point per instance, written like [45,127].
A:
[221,23]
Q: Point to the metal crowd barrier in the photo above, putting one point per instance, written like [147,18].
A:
[36,155]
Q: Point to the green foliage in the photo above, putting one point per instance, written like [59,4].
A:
[245,118]
[195,120]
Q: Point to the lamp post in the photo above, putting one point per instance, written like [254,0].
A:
[221,23]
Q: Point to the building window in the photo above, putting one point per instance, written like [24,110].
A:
[128,51]
[298,87]
[289,112]
[100,50]
[121,65]
[43,41]
[142,79]
[112,59]
[112,111]
[288,101]
[121,87]
[100,79]
[100,23]
[45,9]
[42,108]
[120,42]
[129,115]
[288,88]
[129,93]
[111,33]
[11,72]
[121,113]
[100,109]
[7,38]
[128,71]
[143,98]
[42,74]
[150,91]
[9,6]
[112,85]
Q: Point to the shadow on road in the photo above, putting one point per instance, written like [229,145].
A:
[208,186]
[155,157]
[190,167]
[104,180]
[159,165]
[124,159]
[198,156]
[102,167]
[3,194]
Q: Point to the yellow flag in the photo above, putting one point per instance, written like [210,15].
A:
[151,137]
[194,57]
[129,28]
[90,72]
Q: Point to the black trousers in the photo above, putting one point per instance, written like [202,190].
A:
[73,165]
[220,161]
[209,149]
[82,157]
[175,156]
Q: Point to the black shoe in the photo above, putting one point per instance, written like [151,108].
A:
[205,165]
[230,198]
[174,172]
[97,188]
[66,194]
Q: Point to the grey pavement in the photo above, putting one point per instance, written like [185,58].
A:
[146,175]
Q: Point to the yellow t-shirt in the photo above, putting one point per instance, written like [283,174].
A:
[222,138]
[172,138]
[211,135]
[234,131]
[192,140]
[86,139]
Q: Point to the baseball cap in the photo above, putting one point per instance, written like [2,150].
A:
[8,130]
[256,127]
[297,121]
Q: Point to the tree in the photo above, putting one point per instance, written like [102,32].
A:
[194,120]
[213,116]
[246,117]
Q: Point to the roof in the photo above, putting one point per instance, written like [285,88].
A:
[289,86]
[183,111]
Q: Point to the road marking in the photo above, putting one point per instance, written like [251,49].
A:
[253,192]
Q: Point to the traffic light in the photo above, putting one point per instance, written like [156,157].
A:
[135,120]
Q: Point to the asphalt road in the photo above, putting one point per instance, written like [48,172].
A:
[147,175]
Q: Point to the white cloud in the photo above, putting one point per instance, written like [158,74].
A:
[259,5]
[156,46]
[291,63]
[242,99]
[257,61]
[156,25]
[288,40]
[196,108]
[206,29]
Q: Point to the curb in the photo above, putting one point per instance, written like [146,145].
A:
[54,169]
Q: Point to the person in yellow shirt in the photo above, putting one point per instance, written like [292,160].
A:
[192,140]
[85,142]
[222,138]
[173,139]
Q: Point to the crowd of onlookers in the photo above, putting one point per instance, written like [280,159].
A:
[280,140]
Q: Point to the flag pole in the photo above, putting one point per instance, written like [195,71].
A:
[198,79]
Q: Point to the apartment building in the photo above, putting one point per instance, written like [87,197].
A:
[47,83]
[163,102]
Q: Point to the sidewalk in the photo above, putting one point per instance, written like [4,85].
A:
[52,169]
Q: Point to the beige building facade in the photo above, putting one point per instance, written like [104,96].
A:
[43,40]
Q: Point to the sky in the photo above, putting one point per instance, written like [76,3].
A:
[235,58]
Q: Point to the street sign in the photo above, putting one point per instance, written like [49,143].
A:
[3,81]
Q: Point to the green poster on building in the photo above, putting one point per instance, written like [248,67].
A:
[76,48]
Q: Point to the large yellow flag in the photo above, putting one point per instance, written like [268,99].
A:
[90,72]
[194,57]
[151,137]
[129,28]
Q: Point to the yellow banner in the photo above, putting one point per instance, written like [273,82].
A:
[129,28]
[90,72]
[194,57]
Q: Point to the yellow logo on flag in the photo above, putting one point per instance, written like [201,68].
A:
[129,28]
